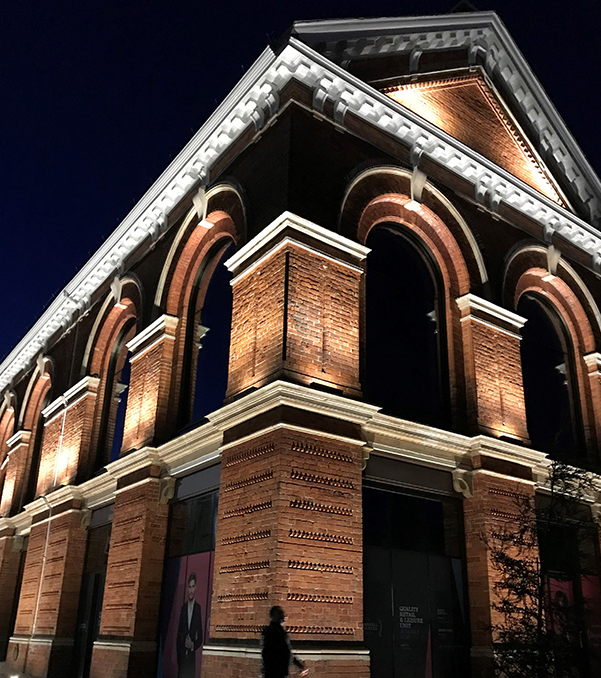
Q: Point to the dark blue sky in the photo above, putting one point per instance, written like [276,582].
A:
[98,97]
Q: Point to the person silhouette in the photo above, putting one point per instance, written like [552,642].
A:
[275,647]
[189,632]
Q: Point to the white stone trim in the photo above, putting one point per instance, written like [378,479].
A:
[304,226]
[287,393]
[482,32]
[258,91]
[296,243]
[71,396]
[149,337]
[19,437]
[472,303]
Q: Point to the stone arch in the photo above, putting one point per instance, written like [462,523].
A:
[119,321]
[379,181]
[7,429]
[224,202]
[439,242]
[22,467]
[527,274]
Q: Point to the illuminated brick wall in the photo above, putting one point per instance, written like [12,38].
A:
[296,309]
[289,533]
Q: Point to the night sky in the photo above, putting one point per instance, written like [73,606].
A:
[98,97]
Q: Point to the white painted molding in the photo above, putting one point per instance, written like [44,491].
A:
[476,305]
[258,91]
[593,360]
[20,437]
[288,220]
[71,396]
[479,32]
[163,326]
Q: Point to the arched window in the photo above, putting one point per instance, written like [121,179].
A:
[208,326]
[550,388]
[115,398]
[405,327]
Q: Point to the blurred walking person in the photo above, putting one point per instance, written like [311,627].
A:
[276,652]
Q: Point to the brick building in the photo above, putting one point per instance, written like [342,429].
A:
[343,330]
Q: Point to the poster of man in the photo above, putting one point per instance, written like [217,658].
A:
[184,619]
[189,632]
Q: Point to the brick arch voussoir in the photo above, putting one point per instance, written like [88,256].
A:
[7,428]
[564,300]
[198,245]
[117,317]
[36,401]
[429,228]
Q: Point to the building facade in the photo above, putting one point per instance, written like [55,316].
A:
[342,333]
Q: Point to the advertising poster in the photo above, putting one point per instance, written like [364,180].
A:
[184,622]
[591,592]
[561,599]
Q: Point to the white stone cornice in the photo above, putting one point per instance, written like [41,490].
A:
[244,107]
[481,33]
[59,496]
[71,396]
[134,461]
[288,220]
[147,338]
[286,393]
[491,314]
[20,437]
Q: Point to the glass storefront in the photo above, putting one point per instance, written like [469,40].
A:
[188,579]
[415,610]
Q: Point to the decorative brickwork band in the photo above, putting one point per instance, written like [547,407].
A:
[247,455]
[321,508]
[245,567]
[320,536]
[318,598]
[250,536]
[252,480]
[319,567]
[321,480]
[251,508]
[319,451]
[261,595]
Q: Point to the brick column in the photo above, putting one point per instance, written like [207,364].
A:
[10,559]
[493,369]
[289,532]
[492,491]
[149,383]
[67,430]
[295,309]
[128,629]
[17,467]
[42,644]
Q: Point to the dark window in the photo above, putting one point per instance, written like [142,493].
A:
[405,348]
[206,356]
[415,611]
[549,379]
[192,526]
[115,399]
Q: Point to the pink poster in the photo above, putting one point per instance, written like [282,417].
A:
[561,599]
[591,592]
[184,625]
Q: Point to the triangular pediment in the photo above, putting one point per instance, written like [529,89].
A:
[470,111]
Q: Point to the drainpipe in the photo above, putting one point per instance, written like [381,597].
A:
[37,602]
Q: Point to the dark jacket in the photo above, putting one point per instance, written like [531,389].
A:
[276,652]
[186,659]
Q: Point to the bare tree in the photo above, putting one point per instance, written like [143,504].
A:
[539,625]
